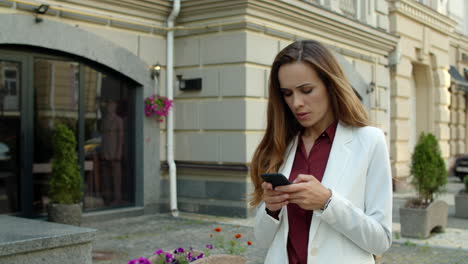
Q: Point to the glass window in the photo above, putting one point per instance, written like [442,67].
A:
[107,181]
[10,119]
[106,148]
[56,90]
[95,102]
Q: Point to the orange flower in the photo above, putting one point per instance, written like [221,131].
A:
[249,243]
[238,236]
[218,229]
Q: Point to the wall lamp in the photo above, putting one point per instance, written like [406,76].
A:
[189,84]
[155,70]
[41,10]
[371,88]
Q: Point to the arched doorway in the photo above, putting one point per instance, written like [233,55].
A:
[83,81]
[421,102]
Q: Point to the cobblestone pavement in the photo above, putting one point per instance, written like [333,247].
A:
[410,253]
[119,241]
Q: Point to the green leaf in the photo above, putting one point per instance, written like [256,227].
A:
[428,168]
[65,183]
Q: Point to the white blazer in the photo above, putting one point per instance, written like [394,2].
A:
[358,220]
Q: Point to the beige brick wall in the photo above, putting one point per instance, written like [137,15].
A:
[421,78]
[232,103]
[458,136]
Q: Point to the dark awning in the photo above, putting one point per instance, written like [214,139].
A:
[355,79]
[460,82]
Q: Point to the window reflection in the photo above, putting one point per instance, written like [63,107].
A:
[106,135]
[56,99]
[56,90]
[9,139]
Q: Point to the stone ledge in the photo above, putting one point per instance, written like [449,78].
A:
[21,235]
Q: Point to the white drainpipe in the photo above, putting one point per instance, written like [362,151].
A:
[170,95]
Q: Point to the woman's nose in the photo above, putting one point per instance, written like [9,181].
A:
[297,101]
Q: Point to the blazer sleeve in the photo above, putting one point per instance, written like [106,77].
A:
[266,226]
[370,228]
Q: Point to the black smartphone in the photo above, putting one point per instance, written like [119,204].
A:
[276,179]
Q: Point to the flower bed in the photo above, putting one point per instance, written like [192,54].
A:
[231,249]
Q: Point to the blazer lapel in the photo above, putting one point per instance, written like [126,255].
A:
[339,155]
[337,161]
[286,168]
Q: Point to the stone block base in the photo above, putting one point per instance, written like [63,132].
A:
[461,205]
[27,241]
[419,222]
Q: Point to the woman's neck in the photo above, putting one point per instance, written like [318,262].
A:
[317,129]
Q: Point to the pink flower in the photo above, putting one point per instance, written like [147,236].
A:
[157,105]
[159,251]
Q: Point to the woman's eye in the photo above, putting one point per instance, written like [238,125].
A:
[307,91]
[286,93]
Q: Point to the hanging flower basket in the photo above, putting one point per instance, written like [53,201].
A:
[158,106]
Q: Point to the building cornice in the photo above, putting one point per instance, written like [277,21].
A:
[423,14]
[457,38]
[99,13]
[286,19]
[150,9]
[316,20]
[460,43]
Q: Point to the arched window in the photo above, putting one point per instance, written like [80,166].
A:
[40,88]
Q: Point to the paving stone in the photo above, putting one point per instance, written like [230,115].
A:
[131,238]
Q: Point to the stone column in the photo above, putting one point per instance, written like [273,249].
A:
[441,102]
[453,122]
[461,122]
[400,129]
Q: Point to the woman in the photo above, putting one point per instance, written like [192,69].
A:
[339,207]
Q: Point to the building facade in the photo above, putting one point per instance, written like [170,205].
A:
[231,49]
[88,64]
[425,97]
[85,64]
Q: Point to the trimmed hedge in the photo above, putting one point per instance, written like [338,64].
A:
[65,182]
[428,168]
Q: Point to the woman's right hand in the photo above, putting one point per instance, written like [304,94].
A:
[274,200]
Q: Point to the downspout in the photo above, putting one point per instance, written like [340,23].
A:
[170,117]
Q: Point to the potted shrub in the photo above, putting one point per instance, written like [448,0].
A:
[423,214]
[461,201]
[65,182]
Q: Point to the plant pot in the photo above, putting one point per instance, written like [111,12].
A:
[461,204]
[69,214]
[419,222]
[213,259]
[221,259]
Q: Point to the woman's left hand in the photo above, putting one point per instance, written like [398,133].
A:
[307,192]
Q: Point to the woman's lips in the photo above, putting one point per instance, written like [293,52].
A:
[301,116]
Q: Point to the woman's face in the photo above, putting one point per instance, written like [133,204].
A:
[306,95]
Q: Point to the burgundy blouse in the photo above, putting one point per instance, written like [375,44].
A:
[300,219]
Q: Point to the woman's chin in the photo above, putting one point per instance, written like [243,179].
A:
[305,123]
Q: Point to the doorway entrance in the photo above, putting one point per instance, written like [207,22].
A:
[39,90]
[12,81]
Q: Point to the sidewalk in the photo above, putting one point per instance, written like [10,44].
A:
[121,240]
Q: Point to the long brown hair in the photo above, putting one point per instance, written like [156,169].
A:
[282,126]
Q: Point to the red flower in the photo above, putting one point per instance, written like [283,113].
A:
[249,243]
[218,229]
[238,236]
